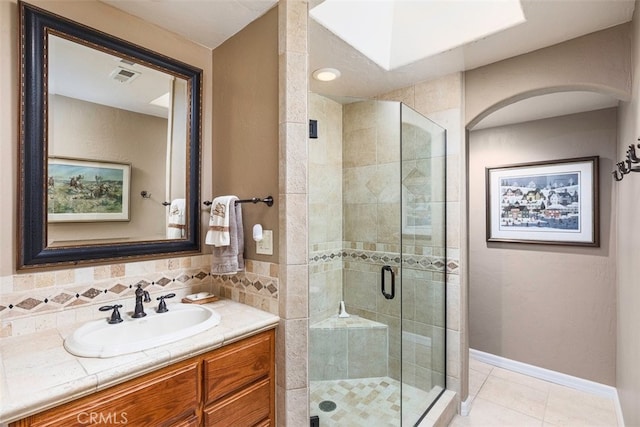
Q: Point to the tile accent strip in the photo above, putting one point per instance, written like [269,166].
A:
[420,262]
[40,300]
[257,286]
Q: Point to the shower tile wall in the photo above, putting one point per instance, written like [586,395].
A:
[348,348]
[441,100]
[325,209]
[372,211]
[423,241]
[358,144]
[371,186]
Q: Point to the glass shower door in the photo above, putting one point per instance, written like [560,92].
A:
[367,231]
[423,222]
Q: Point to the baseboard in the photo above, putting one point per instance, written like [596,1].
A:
[588,386]
[616,402]
[465,407]
[546,374]
[581,384]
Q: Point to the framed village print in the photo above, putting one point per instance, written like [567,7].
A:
[553,202]
[87,190]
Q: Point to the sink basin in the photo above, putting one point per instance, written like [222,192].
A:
[100,339]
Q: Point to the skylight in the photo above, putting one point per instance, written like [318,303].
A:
[393,33]
[162,101]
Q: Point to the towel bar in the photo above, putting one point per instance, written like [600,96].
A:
[146,195]
[267,200]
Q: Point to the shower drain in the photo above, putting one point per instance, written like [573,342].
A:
[327,406]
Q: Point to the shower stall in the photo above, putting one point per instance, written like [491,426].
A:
[377,266]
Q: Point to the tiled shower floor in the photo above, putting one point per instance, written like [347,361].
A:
[368,402]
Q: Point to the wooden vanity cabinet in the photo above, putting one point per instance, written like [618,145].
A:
[166,397]
[230,386]
[239,384]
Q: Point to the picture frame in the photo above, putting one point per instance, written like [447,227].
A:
[80,190]
[550,202]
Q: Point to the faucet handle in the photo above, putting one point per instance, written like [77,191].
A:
[115,316]
[162,307]
[142,293]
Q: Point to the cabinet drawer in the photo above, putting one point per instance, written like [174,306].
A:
[250,407]
[238,365]
[158,399]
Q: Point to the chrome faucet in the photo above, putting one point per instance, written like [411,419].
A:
[138,311]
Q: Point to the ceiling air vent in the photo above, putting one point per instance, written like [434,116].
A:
[124,75]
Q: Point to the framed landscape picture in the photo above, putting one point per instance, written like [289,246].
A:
[554,202]
[87,190]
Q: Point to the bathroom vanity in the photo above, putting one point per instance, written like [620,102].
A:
[222,377]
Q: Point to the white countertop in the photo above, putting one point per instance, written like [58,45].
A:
[38,373]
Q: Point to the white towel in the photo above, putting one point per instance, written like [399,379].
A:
[218,233]
[230,259]
[176,220]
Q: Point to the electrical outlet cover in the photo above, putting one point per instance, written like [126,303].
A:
[265,246]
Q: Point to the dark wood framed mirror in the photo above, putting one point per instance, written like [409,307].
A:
[144,164]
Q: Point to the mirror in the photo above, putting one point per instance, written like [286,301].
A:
[110,147]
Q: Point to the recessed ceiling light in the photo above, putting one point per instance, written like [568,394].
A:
[326,74]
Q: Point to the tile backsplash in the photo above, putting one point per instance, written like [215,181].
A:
[42,300]
[257,286]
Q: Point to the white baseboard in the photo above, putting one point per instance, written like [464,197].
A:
[576,383]
[465,407]
[616,402]
[545,374]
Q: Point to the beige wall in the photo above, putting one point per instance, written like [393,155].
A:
[601,62]
[552,307]
[245,156]
[628,284]
[597,62]
[245,137]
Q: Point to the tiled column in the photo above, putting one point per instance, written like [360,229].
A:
[292,348]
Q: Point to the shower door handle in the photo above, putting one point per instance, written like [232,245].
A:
[393,282]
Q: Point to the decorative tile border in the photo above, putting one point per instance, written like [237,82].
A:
[24,304]
[432,263]
[36,301]
[257,286]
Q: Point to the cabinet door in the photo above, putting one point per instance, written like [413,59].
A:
[249,407]
[235,366]
[191,422]
[164,398]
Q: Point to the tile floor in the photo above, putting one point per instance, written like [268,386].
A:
[368,402]
[505,398]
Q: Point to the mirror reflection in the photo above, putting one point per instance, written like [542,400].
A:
[117,148]
[109,147]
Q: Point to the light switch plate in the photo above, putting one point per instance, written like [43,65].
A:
[265,246]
